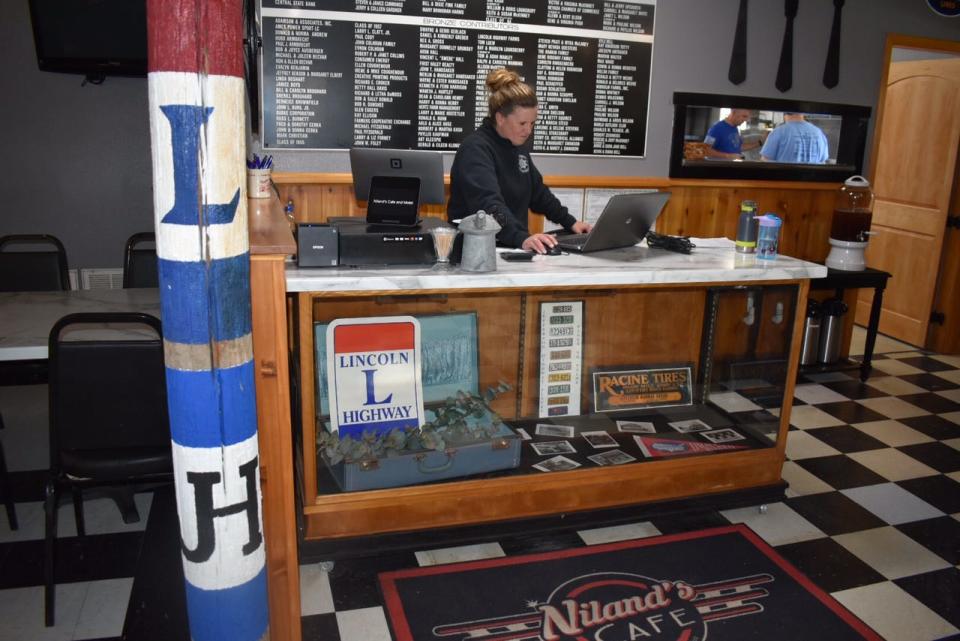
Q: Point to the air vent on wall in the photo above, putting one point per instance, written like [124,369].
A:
[101,278]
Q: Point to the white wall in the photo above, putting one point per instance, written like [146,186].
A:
[77,159]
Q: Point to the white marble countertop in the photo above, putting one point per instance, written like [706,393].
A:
[27,317]
[629,266]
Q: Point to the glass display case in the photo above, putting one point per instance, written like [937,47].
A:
[608,396]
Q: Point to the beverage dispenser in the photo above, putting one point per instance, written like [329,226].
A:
[850,227]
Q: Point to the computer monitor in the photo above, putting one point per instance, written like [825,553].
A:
[365,163]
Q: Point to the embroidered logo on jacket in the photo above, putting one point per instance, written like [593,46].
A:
[523,164]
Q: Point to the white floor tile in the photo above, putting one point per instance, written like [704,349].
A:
[910,354]
[892,464]
[890,552]
[21,613]
[951,375]
[953,361]
[806,417]
[619,533]
[814,393]
[100,515]
[892,407]
[950,394]
[458,554]
[801,481]
[315,594]
[779,525]
[952,442]
[894,367]
[892,503]
[801,445]
[893,613]
[104,609]
[894,386]
[733,402]
[893,433]
[953,417]
[365,624]
[830,377]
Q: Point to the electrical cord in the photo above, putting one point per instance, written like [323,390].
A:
[679,244]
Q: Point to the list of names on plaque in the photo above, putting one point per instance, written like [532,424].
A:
[410,73]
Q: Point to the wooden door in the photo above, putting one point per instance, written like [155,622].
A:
[914,160]
[944,338]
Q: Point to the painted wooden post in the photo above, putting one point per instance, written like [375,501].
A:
[196,93]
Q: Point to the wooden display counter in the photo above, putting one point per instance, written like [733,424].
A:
[642,306]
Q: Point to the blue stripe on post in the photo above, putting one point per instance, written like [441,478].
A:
[223,397]
[232,614]
[186,307]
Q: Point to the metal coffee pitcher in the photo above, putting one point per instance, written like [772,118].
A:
[479,243]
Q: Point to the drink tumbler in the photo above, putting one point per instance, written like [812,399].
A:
[768,237]
[747,228]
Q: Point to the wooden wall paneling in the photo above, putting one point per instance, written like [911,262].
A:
[308,397]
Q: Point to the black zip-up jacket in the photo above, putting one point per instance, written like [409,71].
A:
[491,174]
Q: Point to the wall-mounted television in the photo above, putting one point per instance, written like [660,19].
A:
[842,129]
[96,38]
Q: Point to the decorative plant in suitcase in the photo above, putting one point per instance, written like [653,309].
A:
[462,419]
[464,437]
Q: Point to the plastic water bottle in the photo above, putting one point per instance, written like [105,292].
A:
[768,237]
[747,228]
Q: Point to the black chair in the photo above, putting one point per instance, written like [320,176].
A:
[109,424]
[32,263]
[5,487]
[139,262]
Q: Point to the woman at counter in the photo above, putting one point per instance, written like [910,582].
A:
[493,171]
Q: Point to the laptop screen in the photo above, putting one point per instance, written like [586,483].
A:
[394,200]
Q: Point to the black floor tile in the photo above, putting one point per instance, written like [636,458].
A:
[941,536]
[515,545]
[829,565]
[688,522]
[931,382]
[854,390]
[926,363]
[834,513]
[93,558]
[320,627]
[933,426]
[840,472]
[846,438]
[936,590]
[354,583]
[940,491]
[933,403]
[851,412]
[940,457]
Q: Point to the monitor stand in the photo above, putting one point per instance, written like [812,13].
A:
[383,228]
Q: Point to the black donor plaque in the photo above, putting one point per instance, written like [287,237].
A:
[410,74]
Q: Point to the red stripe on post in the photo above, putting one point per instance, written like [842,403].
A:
[198,36]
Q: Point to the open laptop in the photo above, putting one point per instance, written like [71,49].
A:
[623,222]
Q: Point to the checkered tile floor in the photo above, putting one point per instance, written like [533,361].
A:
[872,516]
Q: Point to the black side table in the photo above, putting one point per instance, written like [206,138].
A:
[840,280]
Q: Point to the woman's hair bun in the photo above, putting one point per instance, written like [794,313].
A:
[501,78]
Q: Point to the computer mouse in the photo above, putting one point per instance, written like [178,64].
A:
[554,251]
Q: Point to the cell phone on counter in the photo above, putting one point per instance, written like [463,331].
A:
[517,257]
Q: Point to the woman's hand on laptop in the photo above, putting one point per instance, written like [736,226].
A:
[540,243]
[581,227]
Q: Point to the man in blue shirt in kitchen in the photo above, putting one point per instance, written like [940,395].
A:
[723,138]
[796,141]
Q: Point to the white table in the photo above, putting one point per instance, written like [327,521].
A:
[27,317]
